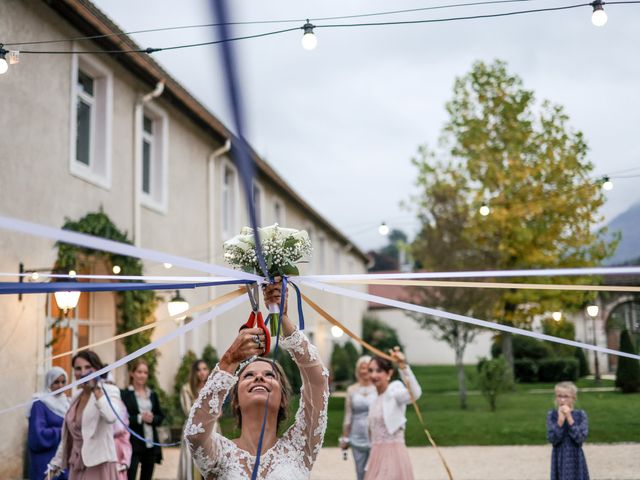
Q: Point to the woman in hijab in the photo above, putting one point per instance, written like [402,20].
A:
[45,423]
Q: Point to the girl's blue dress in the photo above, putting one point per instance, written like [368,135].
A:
[567,457]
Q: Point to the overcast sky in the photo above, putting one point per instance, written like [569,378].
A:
[342,122]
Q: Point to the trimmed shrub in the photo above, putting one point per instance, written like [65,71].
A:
[379,334]
[493,379]
[558,369]
[525,347]
[628,371]
[525,370]
[583,365]
[341,366]
[210,356]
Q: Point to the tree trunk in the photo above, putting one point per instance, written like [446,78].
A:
[507,351]
[462,385]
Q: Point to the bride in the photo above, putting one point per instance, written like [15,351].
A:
[254,383]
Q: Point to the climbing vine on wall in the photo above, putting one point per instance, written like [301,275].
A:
[135,307]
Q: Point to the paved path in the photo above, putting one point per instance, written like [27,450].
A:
[606,462]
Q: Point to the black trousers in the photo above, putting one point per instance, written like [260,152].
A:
[147,461]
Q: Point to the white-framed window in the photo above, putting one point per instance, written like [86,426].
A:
[229,199]
[257,202]
[279,213]
[91,119]
[154,153]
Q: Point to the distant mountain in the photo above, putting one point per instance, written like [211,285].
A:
[628,223]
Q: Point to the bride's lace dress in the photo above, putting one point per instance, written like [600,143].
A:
[293,454]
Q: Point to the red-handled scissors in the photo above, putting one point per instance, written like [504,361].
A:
[255,318]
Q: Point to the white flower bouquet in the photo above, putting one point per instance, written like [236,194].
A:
[282,248]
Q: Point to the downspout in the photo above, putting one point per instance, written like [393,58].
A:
[211,200]
[137,156]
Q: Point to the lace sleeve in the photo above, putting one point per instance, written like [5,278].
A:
[307,433]
[199,429]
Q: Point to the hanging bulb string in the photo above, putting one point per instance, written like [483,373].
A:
[263,22]
[151,50]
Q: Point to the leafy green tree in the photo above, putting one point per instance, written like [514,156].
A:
[181,378]
[352,355]
[340,365]
[628,370]
[562,329]
[379,334]
[530,168]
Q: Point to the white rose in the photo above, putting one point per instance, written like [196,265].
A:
[267,233]
[246,242]
[301,236]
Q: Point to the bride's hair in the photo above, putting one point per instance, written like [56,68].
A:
[285,395]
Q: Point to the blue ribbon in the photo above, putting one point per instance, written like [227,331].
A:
[139,437]
[300,314]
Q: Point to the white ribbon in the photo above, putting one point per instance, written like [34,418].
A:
[146,278]
[551,272]
[462,318]
[97,243]
[196,322]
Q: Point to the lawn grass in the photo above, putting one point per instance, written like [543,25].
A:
[519,418]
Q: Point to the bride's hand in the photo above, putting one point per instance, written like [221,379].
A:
[273,294]
[249,342]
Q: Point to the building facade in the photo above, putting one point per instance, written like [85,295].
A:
[88,132]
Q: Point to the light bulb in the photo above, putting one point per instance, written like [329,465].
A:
[607,184]
[116,269]
[309,40]
[592,310]
[72,274]
[383,229]
[167,265]
[35,276]
[176,306]
[557,316]
[66,300]
[336,331]
[4,66]
[599,16]
[484,210]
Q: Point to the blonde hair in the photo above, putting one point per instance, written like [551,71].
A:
[569,386]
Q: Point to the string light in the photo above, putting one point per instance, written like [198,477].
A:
[4,66]
[116,269]
[485,210]
[309,39]
[383,229]
[599,16]
[607,184]
[167,265]
[557,316]
[336,331]
[72,274]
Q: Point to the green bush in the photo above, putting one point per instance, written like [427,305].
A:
[583,365]
[210,356]
[493,379]
[524,347]
[525,370]
[353,355]
[379,334]
[341,366]
[628,370]
[558,369]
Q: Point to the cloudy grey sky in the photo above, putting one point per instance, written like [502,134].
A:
[342,122]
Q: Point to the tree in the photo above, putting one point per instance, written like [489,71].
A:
[628,370]
[526,164]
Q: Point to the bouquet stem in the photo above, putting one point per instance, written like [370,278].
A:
[274,315]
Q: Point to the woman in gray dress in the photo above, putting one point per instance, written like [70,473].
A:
[355,427]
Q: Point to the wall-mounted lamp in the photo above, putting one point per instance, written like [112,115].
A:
[177,305]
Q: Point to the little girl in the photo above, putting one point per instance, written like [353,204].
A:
[567,430]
